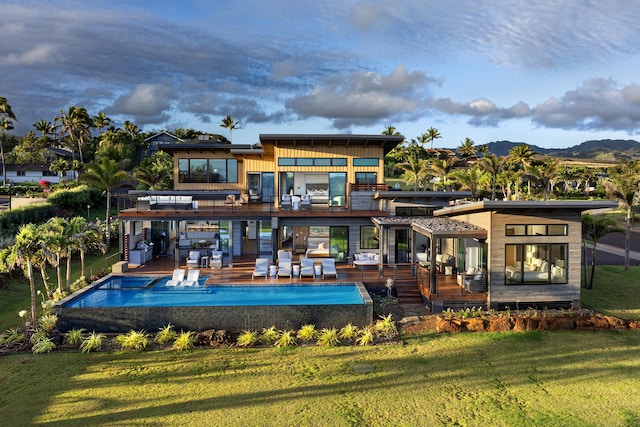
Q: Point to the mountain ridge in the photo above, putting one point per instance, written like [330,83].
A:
[595,149]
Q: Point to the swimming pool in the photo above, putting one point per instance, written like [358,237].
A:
[122,303]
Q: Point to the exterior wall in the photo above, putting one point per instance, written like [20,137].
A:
[499,291]
[208,154]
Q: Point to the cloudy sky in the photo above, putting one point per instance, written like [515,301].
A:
[550,73]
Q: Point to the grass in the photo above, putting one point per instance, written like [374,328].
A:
[498,379]
[615,292]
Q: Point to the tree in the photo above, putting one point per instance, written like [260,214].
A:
[101,121]
[27,245]
[30,150]
[622,185]
[156,171]
[594,228]
[545,172]
[471,179]
[60,166]
[431,134]
[85,236]
[414,171]
[56,238]
[467,149]
[106,176]
[493,165]
[75,124]
[390,131]
[46,128]
[521,156]
[442,169]
[6,115]
[231,124]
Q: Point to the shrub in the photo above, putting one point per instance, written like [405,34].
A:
[92,343]
[348,332]
[75,200]
[269,335]
[165,335]
[48,322]
[328,338]
[12,336]
[366,336]
[385,326]
[247,339]
[184,341]
[43,345]
[38,335]
[307,333]
[74,337]
[286,339]
[133,340]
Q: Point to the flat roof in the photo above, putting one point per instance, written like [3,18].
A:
[435,227]
[524,205]
[388,142]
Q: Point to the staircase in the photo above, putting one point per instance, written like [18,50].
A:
[406,286]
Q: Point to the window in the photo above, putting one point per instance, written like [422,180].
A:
[366,162]
[21,173]
[207,170]
[307,161]
[366,178]
[536,264]
[537,230]
[369,237]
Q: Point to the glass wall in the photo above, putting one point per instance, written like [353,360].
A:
[531,264]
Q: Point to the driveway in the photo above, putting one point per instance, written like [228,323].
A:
[611,249]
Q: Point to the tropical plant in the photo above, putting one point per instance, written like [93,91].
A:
[466,149]
[431,134]
[48,322]
[231,124]
[472,179]
[6,113]
[85,236]
[492,165]
[165,335]
[390,131]
[56,238]
[106,176]
[328,338]
[348,332]
[26,248]
[247,339]
[133,340]
[269,335]
[156,171]
[101,121]
[38,334]
[385,326]
[74,336]
[286,339]
[93,342]
[43,345]
[307,332]
[522,155]
[593,229]
[545,172]
[184,341]
[366,336]
[75,125]
[12,336]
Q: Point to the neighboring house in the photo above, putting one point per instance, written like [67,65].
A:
[17,173]
[155,141]
[325,196]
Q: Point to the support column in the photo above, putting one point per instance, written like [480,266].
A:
[433,288]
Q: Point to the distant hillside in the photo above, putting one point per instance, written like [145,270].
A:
[603,150]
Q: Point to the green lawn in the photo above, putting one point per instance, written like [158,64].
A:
[615,292]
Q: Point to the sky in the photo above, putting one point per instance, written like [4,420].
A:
[549,73]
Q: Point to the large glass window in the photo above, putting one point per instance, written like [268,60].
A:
[337,189]
[312,161]
[536,264]
[207,170]
[369,238]
[366,162]
[537,229]
[366,178]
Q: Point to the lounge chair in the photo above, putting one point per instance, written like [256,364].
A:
[261,269]
[286,201]
[230,200]
[192,278]
[244,199]
[305,201]
[285,255]
[329,267]
[216,259]
[284,269]
[306,268]
[178,277]
[194,259]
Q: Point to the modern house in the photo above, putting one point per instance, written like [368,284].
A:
[324,196]
[29,172]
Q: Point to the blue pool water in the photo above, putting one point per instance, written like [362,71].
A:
[151,292]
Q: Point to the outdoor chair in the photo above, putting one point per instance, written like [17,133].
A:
[216,259]
[284,269]
[306,268]
[192,278]
[305,201]
[194,259]
[284,254]
[178,277]
[286,201]
[261,269]
[329,268]
[230,200]
[244,199]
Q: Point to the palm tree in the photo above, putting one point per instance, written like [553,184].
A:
[27,245]
[442,169]
[545,172]
[55,234]
[60,166]
[45,127]
[390,131]
[101,121]
[594,228]
[467,149]
[493,165]
[5,125]
[522,154]
[85,236]
[231,124]
[106,176]
[156,171]
[131,129]
[75,124]
[431,134]
[622,185]
[471,179]
[414,171]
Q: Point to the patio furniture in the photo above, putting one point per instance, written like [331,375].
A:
[216,259]
[244,199]
[178,277]
[306,268]
[305,201]
[284,254]
[230,200]
[476,283]
[284,269]
[329,267]
[261,269]
[286,201]
[192,278]
[254,195]
[193,259]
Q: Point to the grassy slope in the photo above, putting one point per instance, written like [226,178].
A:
[498,379]
[615,292]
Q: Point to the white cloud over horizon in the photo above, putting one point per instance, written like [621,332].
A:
[481,69]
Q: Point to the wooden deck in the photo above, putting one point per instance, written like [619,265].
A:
[374,279]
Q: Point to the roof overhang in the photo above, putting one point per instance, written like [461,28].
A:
[438,228]
[387,142]
[526,207]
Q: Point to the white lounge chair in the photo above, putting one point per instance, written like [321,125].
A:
[284,269]
[178,277]
[192,278]
[193,260]
[306,268]
[261,269]
[216,259]
[329,267]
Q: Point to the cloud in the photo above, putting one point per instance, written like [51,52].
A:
[363,97]
[483,112]
[43,53]
[147,102]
